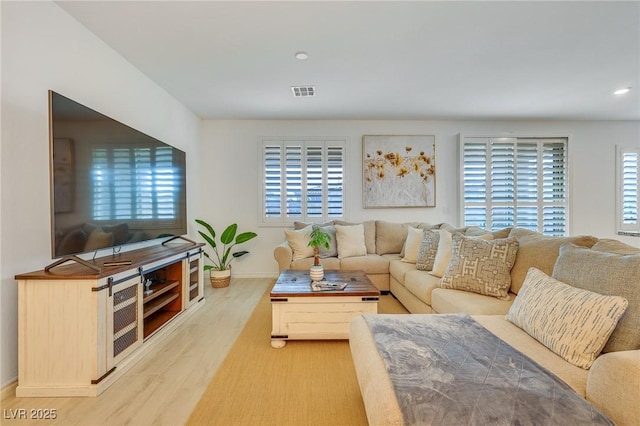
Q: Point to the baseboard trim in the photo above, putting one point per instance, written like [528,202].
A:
[9,390]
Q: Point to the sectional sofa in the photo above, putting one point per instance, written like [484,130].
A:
[431,269]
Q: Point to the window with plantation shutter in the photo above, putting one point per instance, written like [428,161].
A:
[303,180]
[515,182]
[134,183]
[627,200]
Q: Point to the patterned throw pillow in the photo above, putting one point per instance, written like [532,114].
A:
[572,322]
[428,250]
[481,266]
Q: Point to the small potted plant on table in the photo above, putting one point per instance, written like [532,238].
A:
[319,238]
[220,270]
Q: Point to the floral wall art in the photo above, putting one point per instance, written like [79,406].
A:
[399,171]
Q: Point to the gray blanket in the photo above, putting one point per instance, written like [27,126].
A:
[449,370]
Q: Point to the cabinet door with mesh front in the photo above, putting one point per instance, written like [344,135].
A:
[124,319]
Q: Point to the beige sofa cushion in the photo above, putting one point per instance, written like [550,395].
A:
[481,266]
[606,273]
[370,263]
[390,237]
[305,264]
[443,255]
[421,284]
[448,301]
[572,322]
[539,251]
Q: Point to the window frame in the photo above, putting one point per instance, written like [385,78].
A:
[622,228]
[524,139]
[304,142]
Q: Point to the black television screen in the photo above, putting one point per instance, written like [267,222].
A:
[111,185]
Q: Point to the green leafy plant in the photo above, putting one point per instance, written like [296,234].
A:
[319,238]
[228,240]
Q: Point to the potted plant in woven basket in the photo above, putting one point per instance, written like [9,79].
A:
[318,238]
[220,269]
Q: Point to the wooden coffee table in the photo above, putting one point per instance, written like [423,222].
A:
[298,313]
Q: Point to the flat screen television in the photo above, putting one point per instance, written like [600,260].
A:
[111,185]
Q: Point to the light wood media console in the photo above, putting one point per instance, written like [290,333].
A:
[81,328]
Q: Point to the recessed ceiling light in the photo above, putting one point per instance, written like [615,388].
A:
[622,91]
[302,56]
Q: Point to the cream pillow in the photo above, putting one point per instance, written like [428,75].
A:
[443,256]
[350,241]
[572,322]
[299,242]
[412,245]
[481,266]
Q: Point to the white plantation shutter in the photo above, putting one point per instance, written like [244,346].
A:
[519,182]
[627,203]
[303,180]
[134,183]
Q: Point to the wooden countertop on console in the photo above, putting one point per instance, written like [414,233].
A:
[138,257]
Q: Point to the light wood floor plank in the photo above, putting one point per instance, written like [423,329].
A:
[163,388]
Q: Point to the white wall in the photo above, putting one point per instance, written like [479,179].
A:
[43,49]
[231,170]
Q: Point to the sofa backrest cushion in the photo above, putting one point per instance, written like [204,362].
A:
[539,251]
[572,322]
[390,236]
[606,273]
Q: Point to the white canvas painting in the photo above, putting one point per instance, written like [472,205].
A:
[399,171]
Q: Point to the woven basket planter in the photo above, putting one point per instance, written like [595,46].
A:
[220,279]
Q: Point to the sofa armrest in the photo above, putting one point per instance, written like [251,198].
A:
[283,255]
[613,386]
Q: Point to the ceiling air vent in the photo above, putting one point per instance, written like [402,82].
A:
[303,91]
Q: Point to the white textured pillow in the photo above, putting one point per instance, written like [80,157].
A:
[572,322]
[443,256]
[412,245]
[299,242]
[350,241]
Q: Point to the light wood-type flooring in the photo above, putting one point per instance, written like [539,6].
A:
[163,388]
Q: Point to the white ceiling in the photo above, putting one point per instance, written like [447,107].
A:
[382,60]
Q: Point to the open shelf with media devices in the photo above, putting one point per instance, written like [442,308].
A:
[81,327]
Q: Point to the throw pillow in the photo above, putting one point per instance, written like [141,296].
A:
[481,266]
[606,273]
[428,250]
[572,322]
[443,255]
[98,239]
[412,245]
[539,251]
[299,242]
[350,241]
[369,233]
